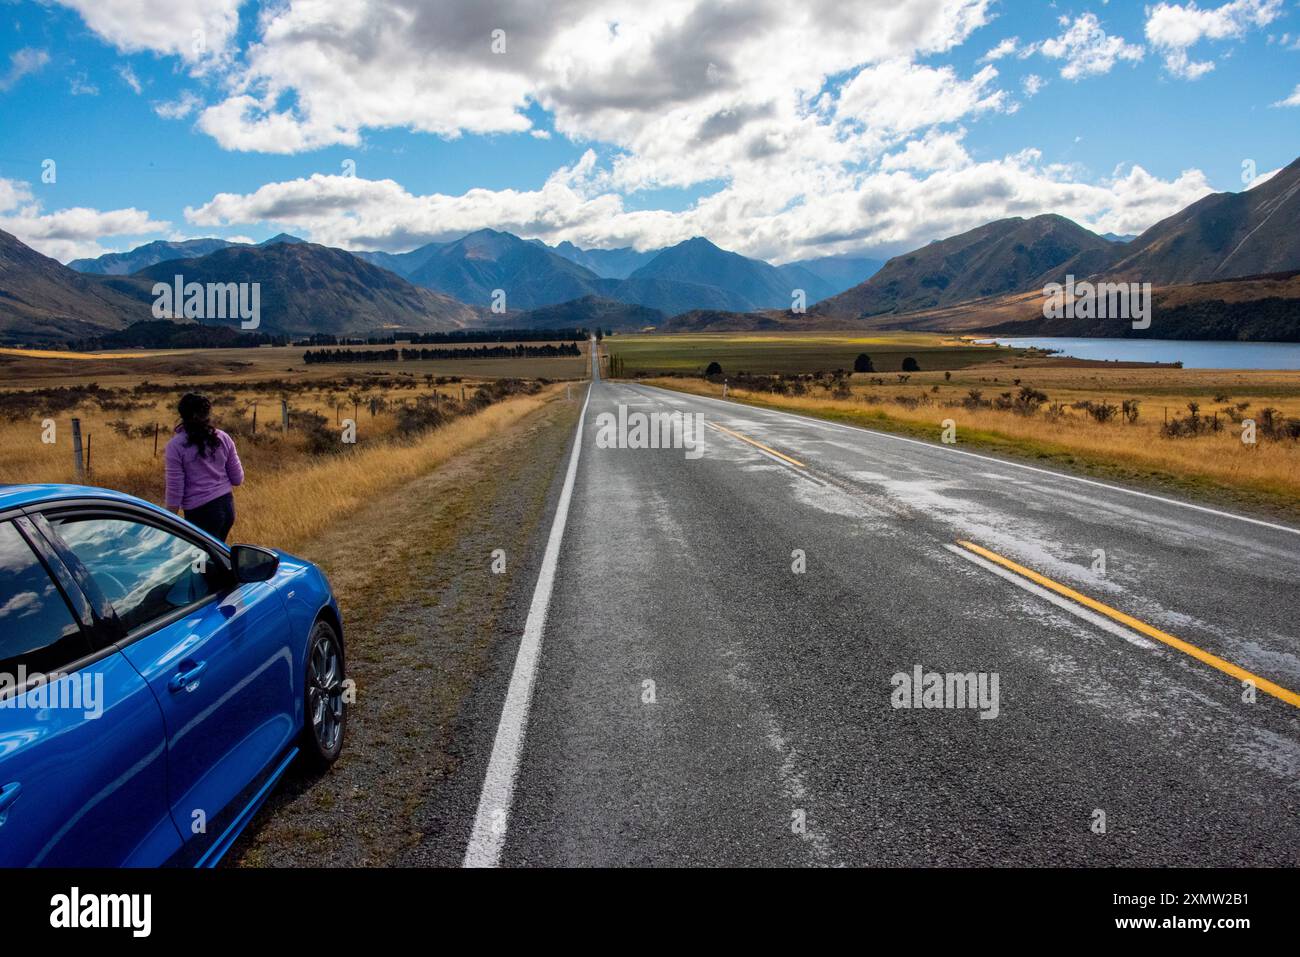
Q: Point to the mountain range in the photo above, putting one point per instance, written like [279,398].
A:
[305,288]
[694,274]
[1224,265]
[1206,261]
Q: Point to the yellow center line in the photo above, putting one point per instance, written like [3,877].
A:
[757,445]
[1214,661]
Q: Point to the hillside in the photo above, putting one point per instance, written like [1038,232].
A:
[1005,256]
[589,312]
[306,288]
[1223,236]
[750,283]
[41,300]
[1249,309]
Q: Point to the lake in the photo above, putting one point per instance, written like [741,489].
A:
[1193,355]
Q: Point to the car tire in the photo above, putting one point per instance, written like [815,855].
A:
[325,712]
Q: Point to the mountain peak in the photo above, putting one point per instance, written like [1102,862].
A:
[282,238]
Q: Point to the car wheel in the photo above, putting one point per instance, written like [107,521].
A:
[326,713]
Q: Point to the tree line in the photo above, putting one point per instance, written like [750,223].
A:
[456,335]
[313,357]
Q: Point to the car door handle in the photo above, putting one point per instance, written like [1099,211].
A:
[8,794]
[182,680]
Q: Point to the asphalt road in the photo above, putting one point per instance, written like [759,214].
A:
[694,699]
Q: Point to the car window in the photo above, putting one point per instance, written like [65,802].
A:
[144,571]
[37,630]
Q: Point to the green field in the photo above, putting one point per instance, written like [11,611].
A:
[786,354]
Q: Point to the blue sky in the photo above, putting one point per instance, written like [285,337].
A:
[778,134]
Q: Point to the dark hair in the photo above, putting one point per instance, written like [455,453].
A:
[196,411]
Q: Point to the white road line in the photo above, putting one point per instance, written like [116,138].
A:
[1101,621]
[1005,462]
[489,834]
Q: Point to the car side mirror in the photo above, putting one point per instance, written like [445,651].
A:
[252,563]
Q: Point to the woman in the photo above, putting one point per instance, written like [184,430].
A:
[202,467]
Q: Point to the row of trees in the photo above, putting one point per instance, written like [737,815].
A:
[456,335]
[411,355]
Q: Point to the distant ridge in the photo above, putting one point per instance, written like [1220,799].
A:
[1008,255]
[123,264]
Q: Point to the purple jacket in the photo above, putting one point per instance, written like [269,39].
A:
[193,480]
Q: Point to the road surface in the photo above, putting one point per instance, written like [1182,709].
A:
[688,694]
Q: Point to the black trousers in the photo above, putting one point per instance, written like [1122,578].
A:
[215,517]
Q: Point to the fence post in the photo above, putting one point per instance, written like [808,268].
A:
[155,440]
[89,470]
[77,462]
[255,418]
[284,414]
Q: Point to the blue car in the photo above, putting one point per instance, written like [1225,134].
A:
[154,683]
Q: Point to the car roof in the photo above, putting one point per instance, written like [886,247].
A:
[14,496]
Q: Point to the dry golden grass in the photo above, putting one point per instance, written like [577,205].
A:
[1268,469]
[291,507]
[289,493]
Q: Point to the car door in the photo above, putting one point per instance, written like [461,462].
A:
[83,775]
[216,654]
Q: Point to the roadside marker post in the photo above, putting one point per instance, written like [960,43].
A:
[78,463]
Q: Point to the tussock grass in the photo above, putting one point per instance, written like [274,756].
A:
[296,482]
[292,507]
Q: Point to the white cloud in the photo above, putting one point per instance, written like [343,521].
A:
[927,190]
[179,108]
[670,94]
[640,76]
[1292,100]
[129,78]
[1263,178]
[1005,48]
[22,63]
[67,233]
[898,96]
[936,150]
[1087,49]
[1173,28]
[194,30]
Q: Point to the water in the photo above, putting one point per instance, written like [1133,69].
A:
[1193,355]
